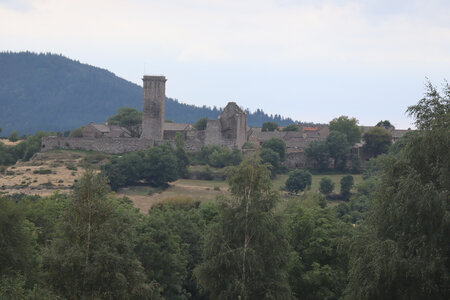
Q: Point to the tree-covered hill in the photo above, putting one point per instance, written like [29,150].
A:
[53,93]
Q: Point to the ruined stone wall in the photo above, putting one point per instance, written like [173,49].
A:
[153,107]
[107,145]
[194,140]
[214,135]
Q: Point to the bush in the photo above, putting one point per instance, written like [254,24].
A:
[291,127]
[42,171]
[277,145]
[76,133]
[200,124]
[298,180]
[249,145]
[219,157]
[269,126]
[14,136]
[326,186]
[268,156]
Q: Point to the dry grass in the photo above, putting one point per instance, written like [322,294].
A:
[9,143]
[199,190]
[24,177]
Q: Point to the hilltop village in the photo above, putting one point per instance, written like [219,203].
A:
[230,130]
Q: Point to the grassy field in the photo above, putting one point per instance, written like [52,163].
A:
[145,197]
[63,168]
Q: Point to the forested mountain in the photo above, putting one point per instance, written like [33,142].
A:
[53,93]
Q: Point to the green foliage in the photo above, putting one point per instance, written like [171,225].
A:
[298,180]
[319,268]
[219,156]
[246,252]
[277,145]
[377,141]
[291,127]
[92,255]
[14,136]
[200,124]
[346,185]
[18,243]
[156,165]
[76,133]
[385,124]
[356,164]
[181,225]
[223,157]
[432,111]
[402,252]
[159,165]
[128,118]
[269,126]
[339,148]
[326,186]
[272,159]
[181,155]
[249,145]
[318,151]
[347,126]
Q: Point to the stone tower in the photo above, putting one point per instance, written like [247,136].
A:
[154,98]
[233,124]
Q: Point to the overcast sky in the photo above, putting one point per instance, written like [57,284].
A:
[310,60]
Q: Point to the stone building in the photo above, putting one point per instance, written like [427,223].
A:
[104,130]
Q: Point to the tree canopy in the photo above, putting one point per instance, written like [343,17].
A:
[238,261]
[377,141]
[128,118]
[402,251]
[347,126]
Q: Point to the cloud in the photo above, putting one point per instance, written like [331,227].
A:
[340,32]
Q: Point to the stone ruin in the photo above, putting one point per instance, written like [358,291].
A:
[230,129]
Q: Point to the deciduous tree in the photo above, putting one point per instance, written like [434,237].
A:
[246,252]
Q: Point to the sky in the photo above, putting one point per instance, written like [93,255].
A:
[310,60]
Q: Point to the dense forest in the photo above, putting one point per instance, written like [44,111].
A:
[47,92]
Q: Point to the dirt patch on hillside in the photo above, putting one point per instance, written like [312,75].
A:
[43,174]
[9,143]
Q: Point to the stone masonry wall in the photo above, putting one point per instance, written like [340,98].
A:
[107,145]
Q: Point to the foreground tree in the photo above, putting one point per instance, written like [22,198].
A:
[402,252]
[92,256]
[246,252]
[320,266]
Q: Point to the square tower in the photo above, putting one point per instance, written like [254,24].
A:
[153,107]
